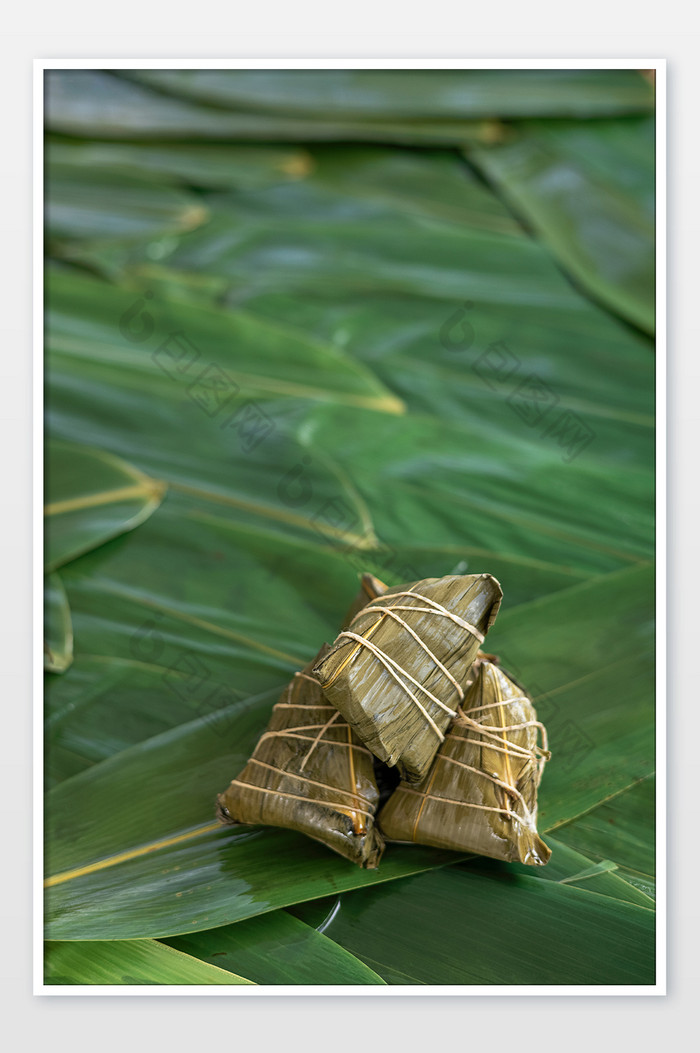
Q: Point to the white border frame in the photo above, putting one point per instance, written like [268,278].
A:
[463,990]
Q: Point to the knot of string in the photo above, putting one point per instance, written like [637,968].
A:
[498,741]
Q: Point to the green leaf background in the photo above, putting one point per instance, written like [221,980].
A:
[302,324]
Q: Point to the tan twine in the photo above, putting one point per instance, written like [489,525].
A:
[491,737]
[395,671]
[294,733]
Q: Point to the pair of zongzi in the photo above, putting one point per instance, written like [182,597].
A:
[404,685]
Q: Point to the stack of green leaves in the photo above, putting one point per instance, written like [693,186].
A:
[383,272]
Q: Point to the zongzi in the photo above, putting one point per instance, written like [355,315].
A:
[481,792]
[396,672]
[310,773]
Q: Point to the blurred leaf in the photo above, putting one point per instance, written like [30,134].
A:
[86,201]
[495,927]
[58,630]
[321,236]
[526,501]
[277,949]
[91,496]
[588,193]
[100,105]
[129,962]
[265,359]
[218,165]
[417,185]
[430,94]
[520,496]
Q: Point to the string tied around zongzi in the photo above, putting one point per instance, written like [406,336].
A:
[538,754]
[395,670]
[480,794]
[309,773]
[398,669]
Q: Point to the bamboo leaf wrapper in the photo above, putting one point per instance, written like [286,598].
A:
[396,673]
[310,773]
[481,792]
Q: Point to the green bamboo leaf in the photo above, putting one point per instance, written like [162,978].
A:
[277,949]
[217,166]
[58,629]
[622,829]
[101,204]
[240,597]
[642,882]
[383,241]
[129,962]
[523,495]
[409,94]
[91,496]
[398,180]
[566,868]
[207,878]
[569,867]
[254,356]
[496,927]
[100,105]
[588,193]
[107,704]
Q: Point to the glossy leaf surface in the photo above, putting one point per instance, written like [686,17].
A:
[129,962]
[277,949]
[494,927]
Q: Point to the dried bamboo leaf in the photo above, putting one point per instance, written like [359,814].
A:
[481,792]
[310,773]
[396,673]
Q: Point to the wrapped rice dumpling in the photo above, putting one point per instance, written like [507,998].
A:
[396,672]
[310,773]
[481,792]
